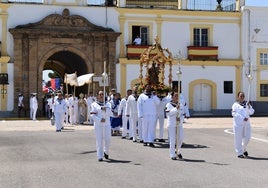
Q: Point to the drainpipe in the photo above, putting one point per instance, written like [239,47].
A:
[247,58]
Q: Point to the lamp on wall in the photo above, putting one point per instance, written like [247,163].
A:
[257,30]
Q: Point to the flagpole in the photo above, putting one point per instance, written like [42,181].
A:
[178,103]
[104,79]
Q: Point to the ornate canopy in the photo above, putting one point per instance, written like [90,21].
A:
[154,59]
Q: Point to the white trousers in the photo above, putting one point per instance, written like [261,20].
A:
[103,138]
[172,139]
[161,118]
[148,128]
[34,113]
[59,120]
[242,137]
[124,125]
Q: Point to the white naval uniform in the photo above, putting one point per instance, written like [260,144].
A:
[161,115]
[134,121]
[122,112]
[147,112]
[59,113]
[242,129]
[34,107]
[102,129]
[186,112]
[71,110]
[172,114]
[90,100]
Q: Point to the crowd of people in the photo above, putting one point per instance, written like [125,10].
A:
[135,117]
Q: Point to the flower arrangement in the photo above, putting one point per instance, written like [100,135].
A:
[160,89]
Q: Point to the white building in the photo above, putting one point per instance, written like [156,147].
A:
[215,45]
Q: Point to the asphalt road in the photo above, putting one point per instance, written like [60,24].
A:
[33,155]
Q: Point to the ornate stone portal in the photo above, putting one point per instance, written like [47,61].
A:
[154,59]
[64,43]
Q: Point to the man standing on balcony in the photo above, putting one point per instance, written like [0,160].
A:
[137,40]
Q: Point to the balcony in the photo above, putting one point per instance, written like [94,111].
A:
[171,4]
[135,51]
[203,53]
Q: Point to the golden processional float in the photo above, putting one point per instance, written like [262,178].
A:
[155,59]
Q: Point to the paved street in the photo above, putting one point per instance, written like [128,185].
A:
[33,155]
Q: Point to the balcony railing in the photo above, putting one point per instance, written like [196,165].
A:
[171,4]
[206,5]
[135,51]
[203,53]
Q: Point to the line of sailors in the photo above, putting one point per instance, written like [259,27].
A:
[72,111]
[142,113]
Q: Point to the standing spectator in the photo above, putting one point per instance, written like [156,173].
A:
[33,106]
[137,40]
[82,108]
[71,109]
[59,112]
[76,112]
[241,111]
[101,113]
[21,105]
[147,103]
[174,112]
[51,102]
[66,115]
[122,113]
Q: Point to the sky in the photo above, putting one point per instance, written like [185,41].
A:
[259,3]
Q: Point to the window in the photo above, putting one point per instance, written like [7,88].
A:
[141,31]
[264,58]
[264,90]
[96,2]
[228,87]
[200,37]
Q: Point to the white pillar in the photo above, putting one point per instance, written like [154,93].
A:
[184,4]
[121,3]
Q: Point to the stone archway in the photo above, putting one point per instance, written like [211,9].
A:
[52,38]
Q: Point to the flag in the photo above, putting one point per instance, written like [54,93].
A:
[52,83]
[71,79]
[84,79]
[57,83]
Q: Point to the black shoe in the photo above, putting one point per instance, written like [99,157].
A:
[173,158]
[100,159]
[123,137]
[246,153]
[130,138]
[240,156]
[180,156]
[106,156]
[58,130]
[134,140]
[144,144]
[141,141]
[161,140]
[151,145]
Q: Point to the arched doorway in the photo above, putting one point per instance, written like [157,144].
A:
[202,95]
[68,62]
[64,43]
